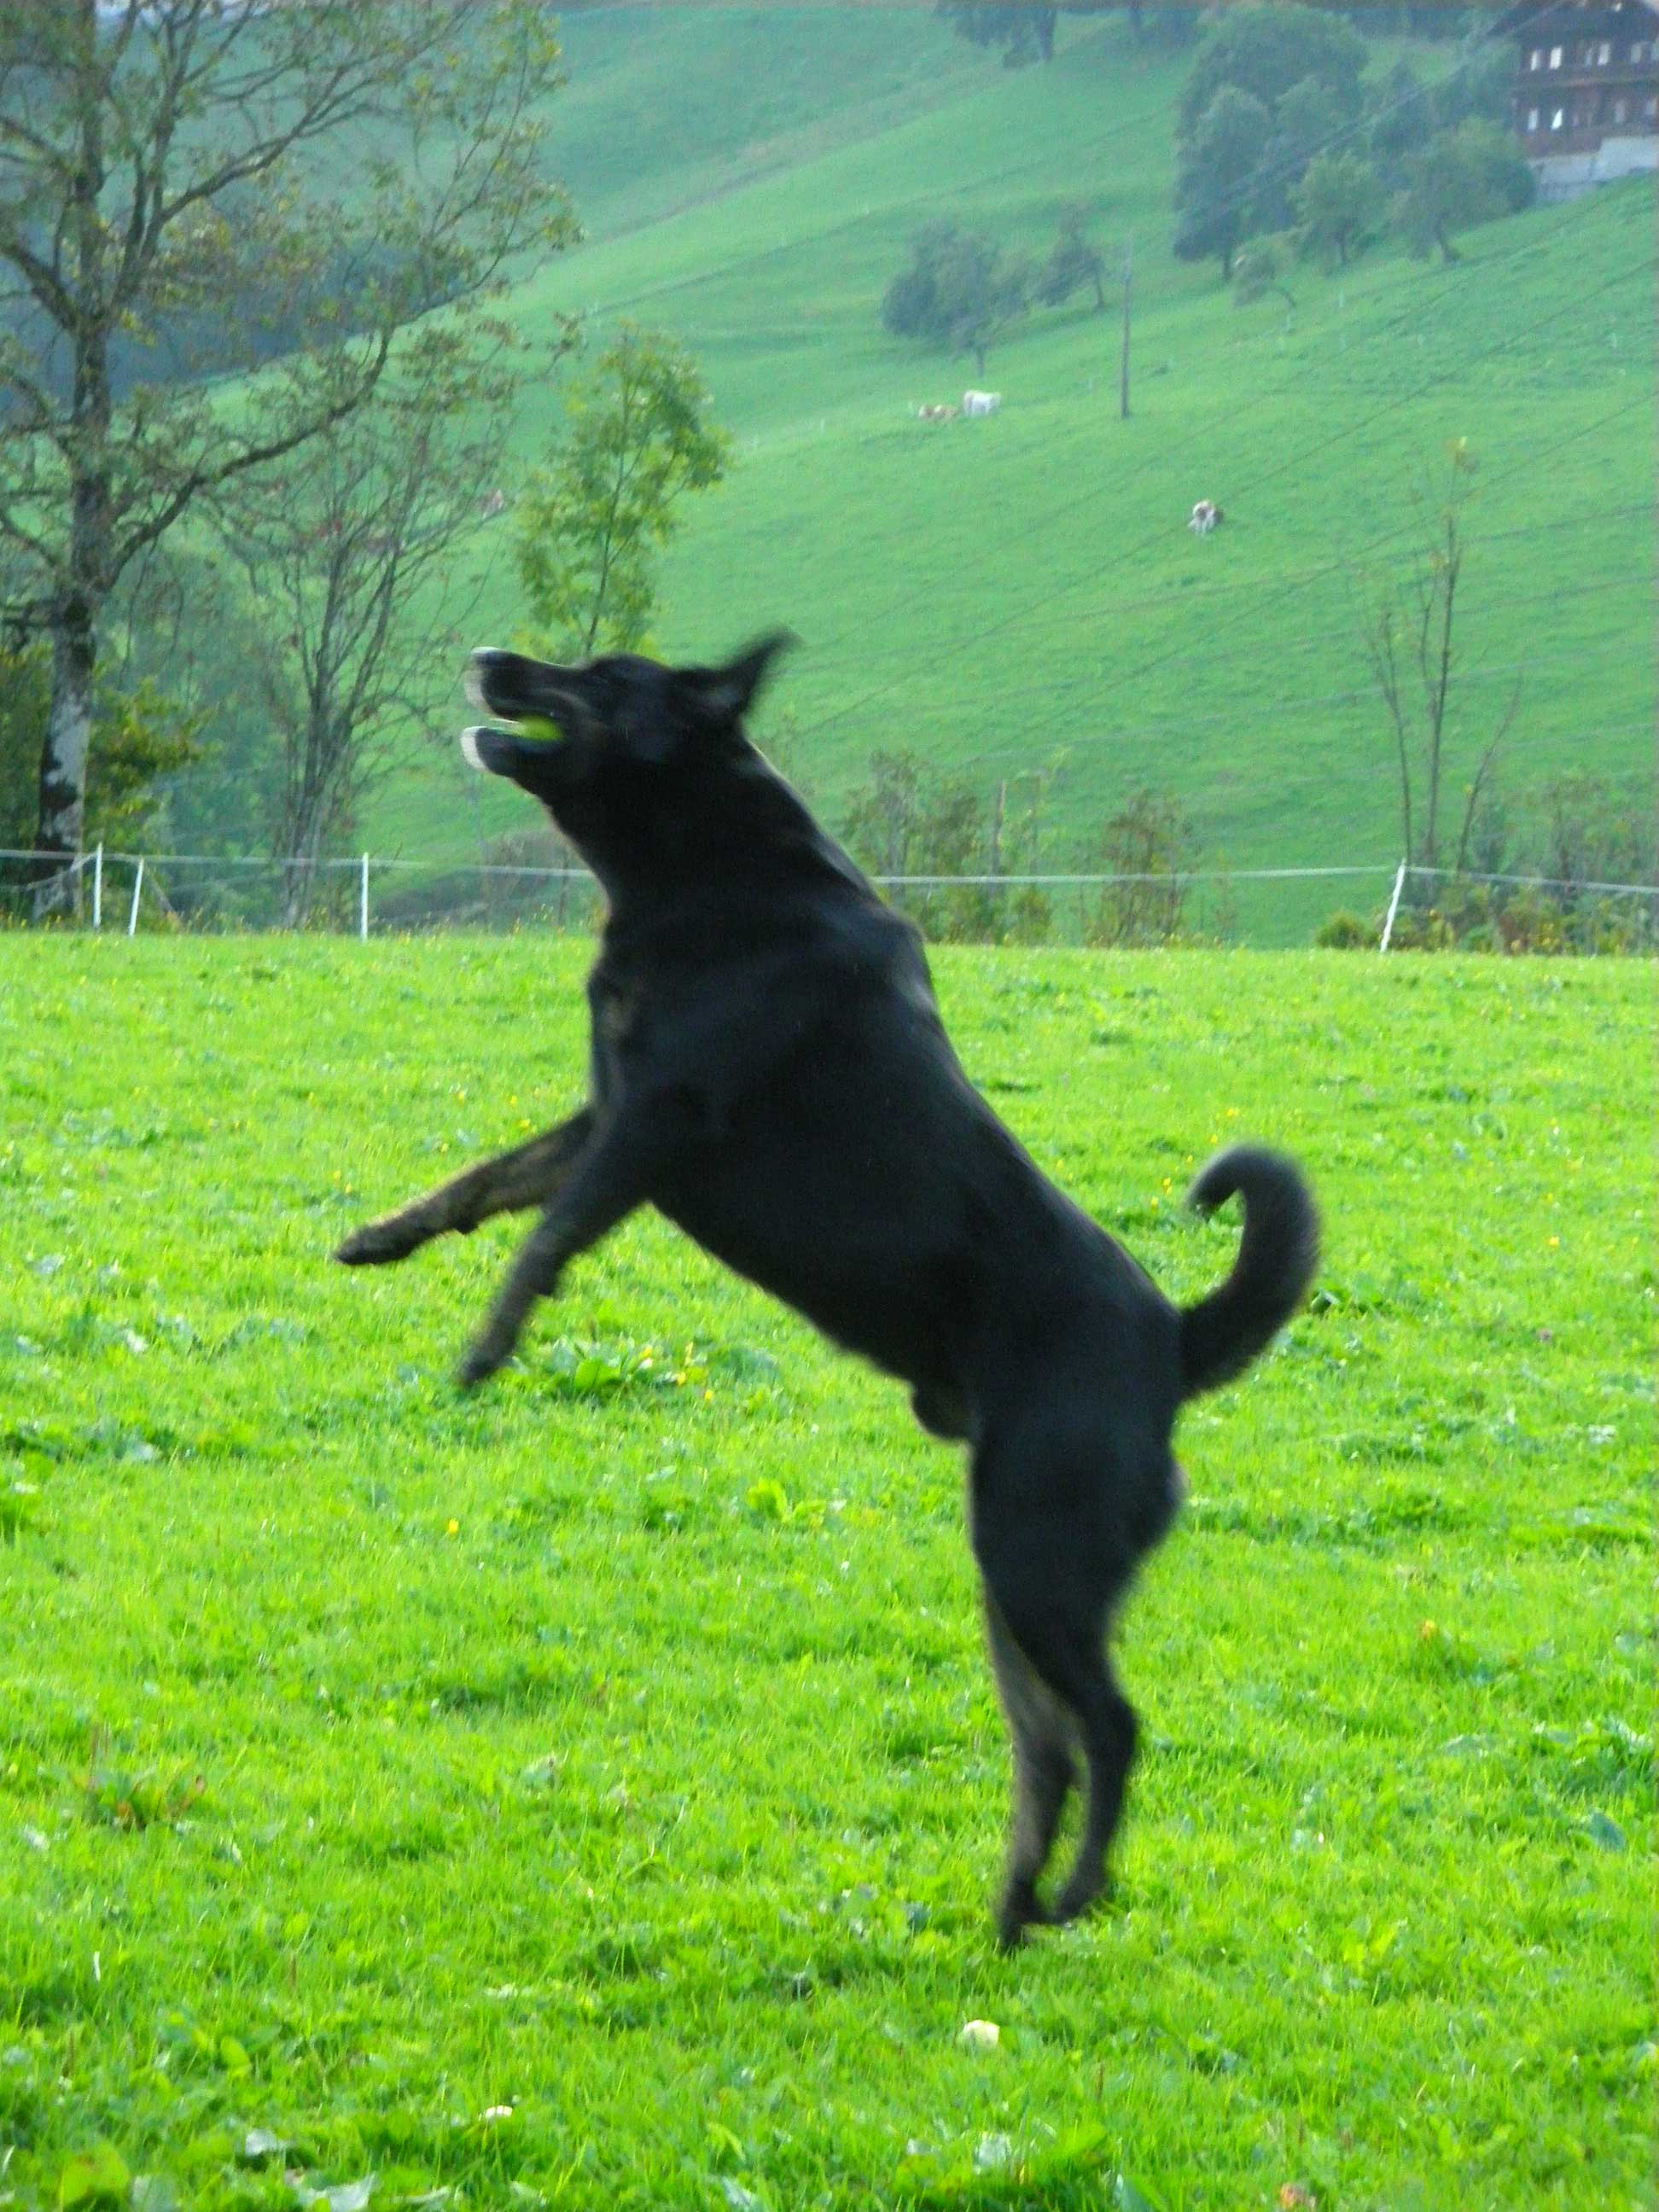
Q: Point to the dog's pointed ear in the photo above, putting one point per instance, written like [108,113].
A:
[727,694]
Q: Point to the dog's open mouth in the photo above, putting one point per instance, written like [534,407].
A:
[496,682]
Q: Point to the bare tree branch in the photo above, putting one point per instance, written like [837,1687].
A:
[161,157]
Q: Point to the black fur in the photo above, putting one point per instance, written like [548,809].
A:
[768,1069]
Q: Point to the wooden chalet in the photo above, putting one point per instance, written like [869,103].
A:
[1586,100]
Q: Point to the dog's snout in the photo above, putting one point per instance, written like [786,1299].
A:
[484,661]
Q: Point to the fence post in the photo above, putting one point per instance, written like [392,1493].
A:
[1394,907]
[137,886]
[362,902]
[98,887]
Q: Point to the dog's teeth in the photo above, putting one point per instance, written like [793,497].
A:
[469,749]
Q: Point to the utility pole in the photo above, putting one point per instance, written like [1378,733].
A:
[1123,368]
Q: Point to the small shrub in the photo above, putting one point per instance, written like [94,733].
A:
[1345,932]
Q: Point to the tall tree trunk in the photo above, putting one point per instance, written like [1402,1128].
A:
[62,821]
[298,882]
[305,821]
[61,827]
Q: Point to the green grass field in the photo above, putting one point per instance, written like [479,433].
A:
[1003,594]
[591,1793]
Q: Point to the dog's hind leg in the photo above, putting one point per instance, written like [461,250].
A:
[1043,1773]
[530,1175]
[1107,1725]
[1059,1647]
[1052,1571]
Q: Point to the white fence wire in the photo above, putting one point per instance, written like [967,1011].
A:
[365,893]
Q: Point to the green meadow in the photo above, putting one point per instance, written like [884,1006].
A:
[1023,591]
[590,1792]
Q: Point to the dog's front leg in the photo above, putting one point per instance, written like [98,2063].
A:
[530,1175]
[612,1177]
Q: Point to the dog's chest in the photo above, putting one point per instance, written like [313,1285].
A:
[613,1004]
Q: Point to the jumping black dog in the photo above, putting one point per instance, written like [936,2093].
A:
[768,1069]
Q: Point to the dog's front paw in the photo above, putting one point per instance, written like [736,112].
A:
[483,1359]
[378,1241]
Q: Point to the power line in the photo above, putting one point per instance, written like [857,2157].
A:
[1526,462]
[1233,587]
[1292,462]
[1362,123]
[1415,312]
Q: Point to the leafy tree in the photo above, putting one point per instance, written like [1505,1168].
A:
[1025,33]
[1259,269]
[907,822]
[1412,645]
[24,703]
[1216,179]
[1418,19]
[1480,89]
[160,159]
[1460,178]
[1408,115]
[184,622]
[638,436]
[342,563]
[1307,119]
[1338,207]
[142,738]
[1164,23]
[1148,843]
[1401,119]
[1263,48]
[960,291]
[1074,262]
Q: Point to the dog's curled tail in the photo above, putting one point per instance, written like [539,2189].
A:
[1223,1332]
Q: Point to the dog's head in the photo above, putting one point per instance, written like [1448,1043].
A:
[637,753]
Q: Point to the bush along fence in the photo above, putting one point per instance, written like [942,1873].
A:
[1405,907]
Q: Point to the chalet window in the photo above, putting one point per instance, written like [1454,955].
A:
[1555,57]
[1532,118]
[1618,111]
[1652,107]
[1557,118]
[1604,52]
[1537,61]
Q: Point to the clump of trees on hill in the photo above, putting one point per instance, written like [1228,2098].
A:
[1281,133]
[1025,29]
[961,291]
[964,293]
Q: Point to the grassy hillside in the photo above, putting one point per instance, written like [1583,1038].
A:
[667,107]
[1001,593]
[590,1793]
